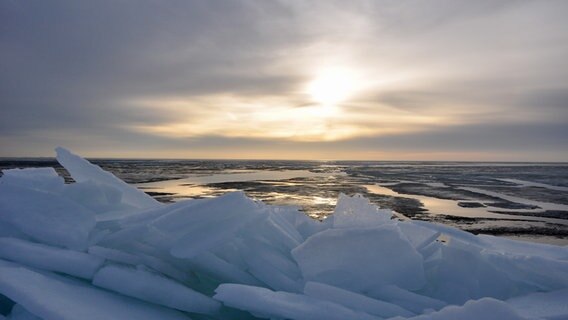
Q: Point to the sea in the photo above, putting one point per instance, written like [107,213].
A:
[524,201]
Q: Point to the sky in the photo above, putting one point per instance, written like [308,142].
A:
[322,80]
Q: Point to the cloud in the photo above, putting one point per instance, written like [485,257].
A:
[175,73]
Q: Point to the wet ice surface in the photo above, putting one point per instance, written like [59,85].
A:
[521,200]
[505,199]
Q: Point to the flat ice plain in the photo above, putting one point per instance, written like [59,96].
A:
[102,249]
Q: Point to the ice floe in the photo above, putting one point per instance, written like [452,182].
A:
[99,248]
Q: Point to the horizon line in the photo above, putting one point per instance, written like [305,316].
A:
[2,158]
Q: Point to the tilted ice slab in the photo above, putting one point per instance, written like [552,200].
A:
[284,305]
[101,249]
[55,298]
[154,288]
[45,217]
[355,301]
[43,179]
[203,225]
[81,170]
[78,264]
[361,259]
[358,212]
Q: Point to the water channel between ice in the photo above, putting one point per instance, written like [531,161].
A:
[451,207]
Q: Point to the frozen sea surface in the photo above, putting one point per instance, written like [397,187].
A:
[518,200]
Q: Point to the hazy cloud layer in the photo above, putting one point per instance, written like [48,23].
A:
[427,79]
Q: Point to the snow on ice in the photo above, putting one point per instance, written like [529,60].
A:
[102,249]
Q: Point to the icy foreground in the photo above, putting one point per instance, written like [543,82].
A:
[101,249]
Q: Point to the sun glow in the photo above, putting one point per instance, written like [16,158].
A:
[333,86]
[316,111]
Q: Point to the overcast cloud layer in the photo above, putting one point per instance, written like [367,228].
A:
[428,80]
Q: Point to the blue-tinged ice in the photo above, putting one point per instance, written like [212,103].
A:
[358,211]
[46,217]
[486,308]
[269,304]
[20,313]
[41,256]
[355,301]
[101,249]
[360,259]
[154,288]
[543,305]
[52,297]
[81,171]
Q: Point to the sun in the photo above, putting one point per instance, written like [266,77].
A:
[332,86]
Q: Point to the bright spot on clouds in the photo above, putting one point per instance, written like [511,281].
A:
[333,86]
